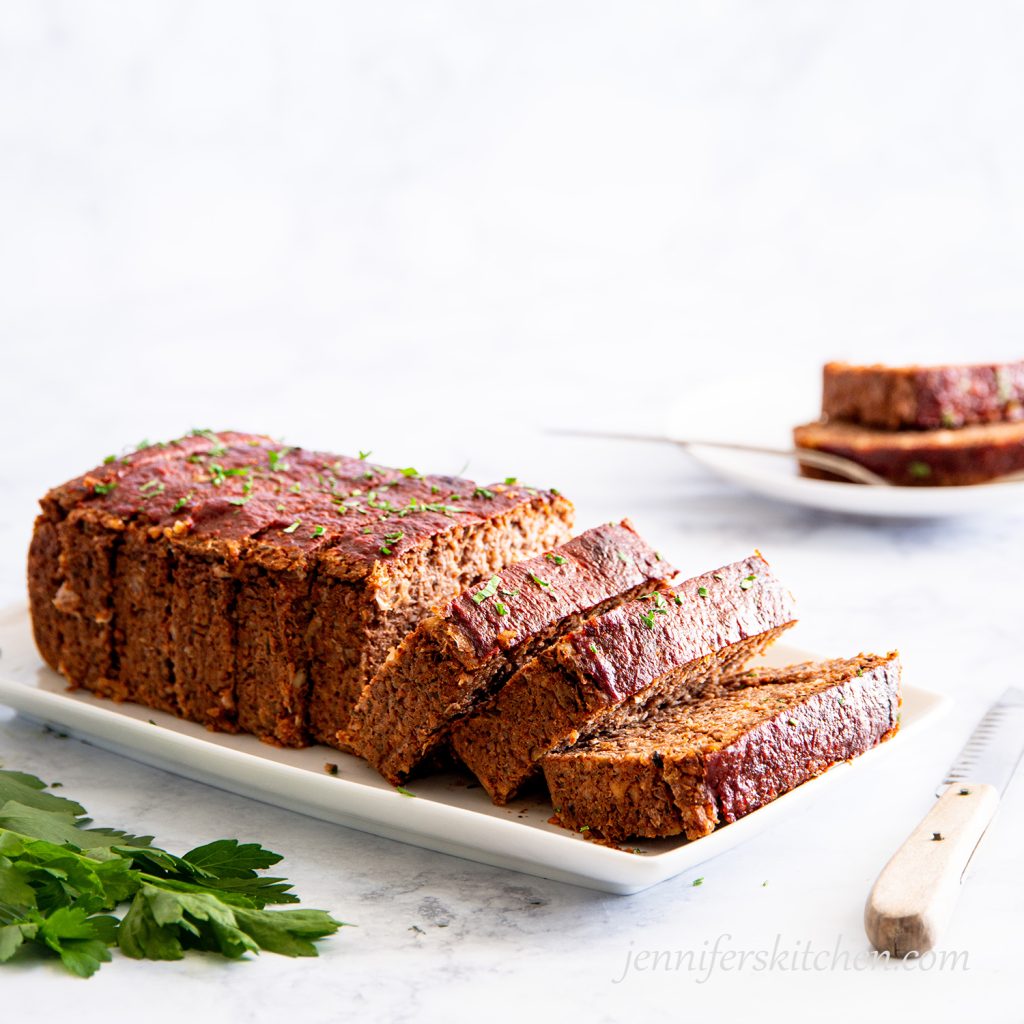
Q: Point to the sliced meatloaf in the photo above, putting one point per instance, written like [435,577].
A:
[923,397]
[457,658]
[663,648]
[687,768]
[252,586]
[929,458]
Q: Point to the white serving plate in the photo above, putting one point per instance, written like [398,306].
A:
[447,814]
[763,411]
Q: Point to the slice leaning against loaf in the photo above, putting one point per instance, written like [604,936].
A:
[687,768]
[661,649]
[929,458]
[460,656]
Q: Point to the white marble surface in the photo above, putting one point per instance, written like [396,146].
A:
[433,230]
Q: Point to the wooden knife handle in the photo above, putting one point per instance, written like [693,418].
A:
[914,896]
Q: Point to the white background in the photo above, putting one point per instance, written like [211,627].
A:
[435,229]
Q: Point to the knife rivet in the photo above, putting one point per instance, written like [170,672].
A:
[964,792]
[937,837]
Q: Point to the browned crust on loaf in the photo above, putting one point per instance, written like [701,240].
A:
[618,666]
[690,768]
[462,655]
[182,576]
[936,458]
[923,397]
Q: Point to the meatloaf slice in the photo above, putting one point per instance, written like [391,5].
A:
[930,458]
[252,586]
[617,666]
[687,768]
[457,658]
[923,397]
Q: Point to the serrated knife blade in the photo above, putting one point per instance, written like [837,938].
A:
[993,751]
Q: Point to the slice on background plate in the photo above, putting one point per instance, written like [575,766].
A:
[762,410]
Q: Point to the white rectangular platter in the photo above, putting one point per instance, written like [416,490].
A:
[448,813]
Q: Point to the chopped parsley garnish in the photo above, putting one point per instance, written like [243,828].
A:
[510,480]
[919,470]
[593,648]
[318,531]
[501,609]
[279,508]
[510,593]
[557,559]
[238,501]
[543,584]
[363,456]
[402,791]
[144,443]
[104,488]
[296,488]
[391,539]
[660,608]
[698,881]
[555,491]
[432,506]
[701,592]
[488,590]
[367,529]
[293,527]
[182,502]
[748,581]
[410,472]
[277,459]
[109,459]
[482,492]
[150,484]
[677,599]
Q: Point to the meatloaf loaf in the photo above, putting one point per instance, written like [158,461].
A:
[463,654]
[923,397]
[251,586]
[687,768]
[616,666]
[930,458]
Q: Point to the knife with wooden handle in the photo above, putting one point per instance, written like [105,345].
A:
[916,892]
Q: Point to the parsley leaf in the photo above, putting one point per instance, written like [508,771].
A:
[61,884]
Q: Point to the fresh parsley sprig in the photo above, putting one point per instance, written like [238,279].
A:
[61,881]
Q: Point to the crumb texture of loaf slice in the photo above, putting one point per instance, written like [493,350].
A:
[618,666]
[930,458]
[690,767]
[465,653]
[186,575]
[923,397]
